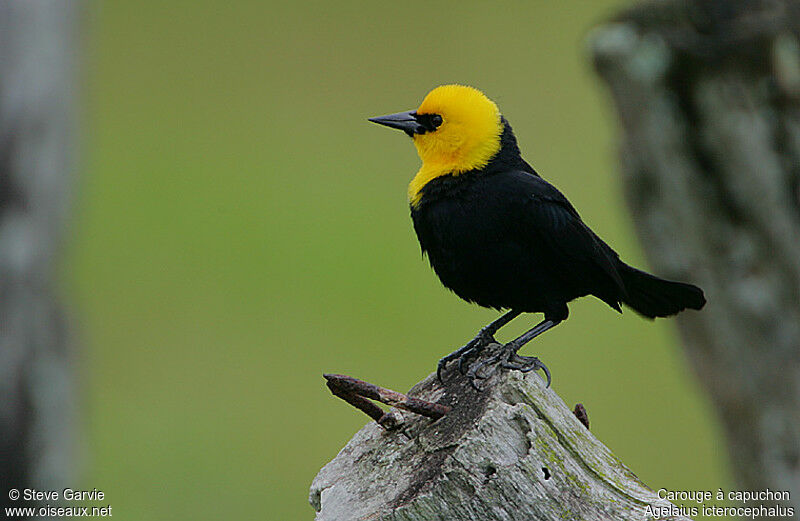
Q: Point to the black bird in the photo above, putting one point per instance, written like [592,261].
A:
[499,235]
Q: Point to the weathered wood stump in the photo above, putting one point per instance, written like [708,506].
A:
[512,452]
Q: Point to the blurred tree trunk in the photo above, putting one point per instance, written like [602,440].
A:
[37,125]
[708,97]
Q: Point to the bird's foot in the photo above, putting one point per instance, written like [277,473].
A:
[463,353]
[527,364]
[507,358]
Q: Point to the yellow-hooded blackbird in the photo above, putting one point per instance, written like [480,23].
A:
[499,235]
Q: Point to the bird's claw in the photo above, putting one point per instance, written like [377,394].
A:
[507,359]
[440,367]
[464,353]
[475,371]
[463,358]
[526,364]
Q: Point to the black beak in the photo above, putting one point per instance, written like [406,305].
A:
[404,121]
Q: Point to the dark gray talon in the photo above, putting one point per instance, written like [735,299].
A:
[526,364]
[463,353]
[507,358]
[521,363]
[476,370]
[472,374]
[546,372]
[459,353]
[463,358]
[440,367]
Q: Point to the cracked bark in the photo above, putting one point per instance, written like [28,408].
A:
[36,129]
[708,97]
[512,452]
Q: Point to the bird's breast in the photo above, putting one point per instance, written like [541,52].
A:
[468,235]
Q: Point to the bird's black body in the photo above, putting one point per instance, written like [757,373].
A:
[502,237]
[505,238]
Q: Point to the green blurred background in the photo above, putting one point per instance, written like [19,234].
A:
[240,228]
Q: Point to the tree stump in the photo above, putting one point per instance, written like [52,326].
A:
[512,452]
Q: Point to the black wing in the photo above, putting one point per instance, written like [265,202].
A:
[578,256]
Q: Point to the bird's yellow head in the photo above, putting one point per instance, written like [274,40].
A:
[455,129]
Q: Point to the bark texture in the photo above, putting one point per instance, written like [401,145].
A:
[512,452]
[708,97]
[36,140]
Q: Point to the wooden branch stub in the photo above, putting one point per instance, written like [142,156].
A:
[513,452]
[358,393]
[581,414]
[386,420]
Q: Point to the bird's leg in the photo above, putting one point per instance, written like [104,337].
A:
[509,359]
[484,337]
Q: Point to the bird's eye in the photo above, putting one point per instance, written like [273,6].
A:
[427,122]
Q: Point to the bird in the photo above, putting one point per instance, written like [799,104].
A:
[499,235]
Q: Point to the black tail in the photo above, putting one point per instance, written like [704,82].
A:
[654,297]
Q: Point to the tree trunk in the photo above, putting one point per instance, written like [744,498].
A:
[511,452]
[36,143]
[708,96]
